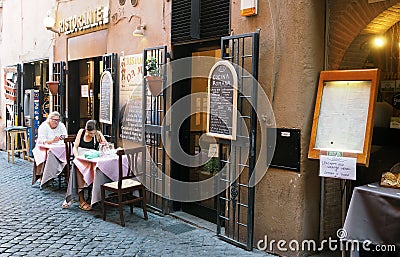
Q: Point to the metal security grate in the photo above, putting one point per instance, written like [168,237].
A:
[236,216]
[154,112]
[59,74]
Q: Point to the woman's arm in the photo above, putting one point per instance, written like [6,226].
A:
[77,141]
[102,138]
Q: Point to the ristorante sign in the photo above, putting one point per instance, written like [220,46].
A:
[83,21]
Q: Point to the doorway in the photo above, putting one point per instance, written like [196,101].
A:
[83,91]
[192,130]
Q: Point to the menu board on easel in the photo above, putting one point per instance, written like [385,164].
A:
[344,112]
[106,94]
[222,101]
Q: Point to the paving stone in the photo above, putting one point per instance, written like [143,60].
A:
[32,223]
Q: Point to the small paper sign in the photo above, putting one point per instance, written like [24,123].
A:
[337,167]
[335,153]
[213,150]
[84,90]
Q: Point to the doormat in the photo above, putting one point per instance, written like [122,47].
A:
[178,228]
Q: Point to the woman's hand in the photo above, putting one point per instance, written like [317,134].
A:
[54,140]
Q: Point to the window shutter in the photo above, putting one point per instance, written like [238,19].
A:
[199,19]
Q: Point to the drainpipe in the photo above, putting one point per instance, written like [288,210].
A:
[322,192]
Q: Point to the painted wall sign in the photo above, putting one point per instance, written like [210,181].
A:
[106,96]
[86,20]
[131,98]
[222,101]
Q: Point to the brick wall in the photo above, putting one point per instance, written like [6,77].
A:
[351,22]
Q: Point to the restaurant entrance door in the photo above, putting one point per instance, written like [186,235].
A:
[193,129]
[83,86]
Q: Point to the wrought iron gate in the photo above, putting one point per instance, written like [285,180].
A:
[235,205]
[110,131]
[155,107]
[59,75]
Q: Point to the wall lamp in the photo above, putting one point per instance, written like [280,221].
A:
[49,22]
[139,31]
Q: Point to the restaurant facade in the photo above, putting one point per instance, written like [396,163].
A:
[94,52]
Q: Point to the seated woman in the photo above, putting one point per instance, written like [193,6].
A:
[50,132]
[88,138]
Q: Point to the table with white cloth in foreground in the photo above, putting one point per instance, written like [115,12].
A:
[54,157]
[373,215]
[95,172]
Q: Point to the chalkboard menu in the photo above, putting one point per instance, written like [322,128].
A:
[106,94]
[222,101]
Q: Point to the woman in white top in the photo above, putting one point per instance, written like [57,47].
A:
[50,131]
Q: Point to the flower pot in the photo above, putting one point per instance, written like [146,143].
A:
[53,87]
[155,85]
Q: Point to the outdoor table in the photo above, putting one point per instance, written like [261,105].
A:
[55,157]
[96,172]
[12,133]
[373,214]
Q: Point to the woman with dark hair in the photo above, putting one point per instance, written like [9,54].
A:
[87,138]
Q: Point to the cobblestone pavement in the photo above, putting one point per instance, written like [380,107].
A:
[32,223]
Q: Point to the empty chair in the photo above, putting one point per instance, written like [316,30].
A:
[123,191]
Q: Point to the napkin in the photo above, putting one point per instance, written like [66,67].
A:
[92,154]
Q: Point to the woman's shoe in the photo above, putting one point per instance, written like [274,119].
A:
[85,206]
[66,205]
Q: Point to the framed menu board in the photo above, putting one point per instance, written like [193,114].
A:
[106,95]
[344,112]
[222,101]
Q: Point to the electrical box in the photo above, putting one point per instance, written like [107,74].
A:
[248,7]
[286,154]
[31,116]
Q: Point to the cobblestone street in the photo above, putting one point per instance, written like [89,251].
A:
[32,223]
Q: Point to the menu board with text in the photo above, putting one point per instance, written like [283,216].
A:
[222,101]
[106,94]
[344,111]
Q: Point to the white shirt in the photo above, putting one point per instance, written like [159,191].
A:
[45,132]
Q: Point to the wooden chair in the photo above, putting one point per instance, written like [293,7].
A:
[122,191]
[69,144]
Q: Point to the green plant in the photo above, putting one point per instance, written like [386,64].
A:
[152,67]
[211,165]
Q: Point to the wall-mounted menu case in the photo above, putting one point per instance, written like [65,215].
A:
[344,112]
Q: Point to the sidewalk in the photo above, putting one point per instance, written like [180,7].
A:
[32,223]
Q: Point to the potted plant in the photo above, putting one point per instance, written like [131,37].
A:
[153,78]
[211,165]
